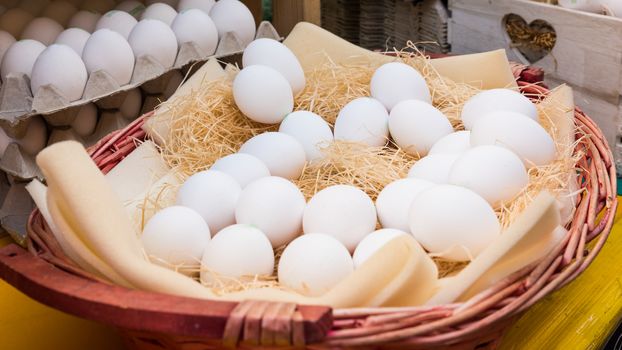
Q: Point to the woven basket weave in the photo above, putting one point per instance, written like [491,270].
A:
[155,321]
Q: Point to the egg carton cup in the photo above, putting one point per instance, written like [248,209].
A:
[108,123]
[18,105]
[15,209]
[19,164]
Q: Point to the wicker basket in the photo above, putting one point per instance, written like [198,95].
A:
[157,321]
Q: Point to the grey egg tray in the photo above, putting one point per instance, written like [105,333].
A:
[17,103]
[18,107]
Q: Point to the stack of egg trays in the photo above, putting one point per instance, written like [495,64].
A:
[341,17]
[329,18]
[433,26]
[424,23]
[18,107]
[372,23]
[406,23]
[389,23]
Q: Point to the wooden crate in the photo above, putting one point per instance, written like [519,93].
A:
[587,52]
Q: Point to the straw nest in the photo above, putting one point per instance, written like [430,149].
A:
[208,125]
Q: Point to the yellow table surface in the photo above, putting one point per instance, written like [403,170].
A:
[580,316]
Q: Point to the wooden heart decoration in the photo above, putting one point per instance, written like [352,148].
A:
[532,41]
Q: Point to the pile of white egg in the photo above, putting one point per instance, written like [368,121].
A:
[48,54]
[51,55]
[251,206]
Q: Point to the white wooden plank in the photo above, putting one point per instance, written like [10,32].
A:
[588,51]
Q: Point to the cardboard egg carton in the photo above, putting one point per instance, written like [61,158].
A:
[406,24]
[15,209]
[18,106]
[341,17]
[433,27]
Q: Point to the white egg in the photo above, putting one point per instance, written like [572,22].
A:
[395,82]
[496,100]
[6,40]
[363,120]
[36,136]
[42,29]
[161,12]
[271,53]
[234,16]
[203,5]
[416,125]
[244,168]
[214,195]
[119,21]
[282,154]
[5,141]
[612,7]
[60,66]
[86,120]
[14,21]
[454,143]
[393,202]
[60,135]
[20,57]
[453,222]
[75,38]
[310,130]
[176,237]
[133,7]
[520,134]
[263,94]
[342,211]
[60,11]
[196,26]
[33,7]
[237,252]
[275,206]
[493,172]
[110,121]
[108,51]
[130,108]
[434,168]
[372,243]
[84,20]
[153,37]
[313,264]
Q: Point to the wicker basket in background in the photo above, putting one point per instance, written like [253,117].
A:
[152,321]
